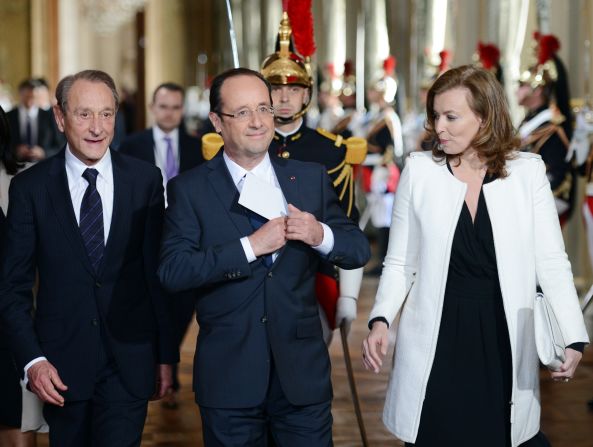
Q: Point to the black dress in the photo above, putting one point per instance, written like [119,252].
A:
[468,394]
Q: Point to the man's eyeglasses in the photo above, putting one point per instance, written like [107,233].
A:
[247,114]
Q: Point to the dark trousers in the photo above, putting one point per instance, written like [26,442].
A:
[111,417]
[288,425]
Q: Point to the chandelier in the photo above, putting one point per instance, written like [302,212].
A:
[106,16]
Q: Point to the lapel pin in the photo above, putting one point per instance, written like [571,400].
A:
[292,178]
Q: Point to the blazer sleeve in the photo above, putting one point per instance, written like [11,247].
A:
[17,276]
[401,260]
[351,248]
[168,350]
[185,262]
[552,266]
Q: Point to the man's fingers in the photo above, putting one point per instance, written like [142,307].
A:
[57,381]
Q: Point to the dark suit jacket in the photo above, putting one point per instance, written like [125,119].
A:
[247,313]
[76,308]
[48,135]
[141,145]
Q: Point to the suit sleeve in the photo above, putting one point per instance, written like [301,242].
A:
[168,351]
[401,261]
[351,247]
[17,276]
[186,263]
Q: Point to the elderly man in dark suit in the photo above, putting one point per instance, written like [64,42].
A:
[89,221]
[33,129]
[261,362]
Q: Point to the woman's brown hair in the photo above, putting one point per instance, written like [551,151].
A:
[496,138]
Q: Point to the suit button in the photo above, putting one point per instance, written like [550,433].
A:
[264,319]
[98,285]
[95,322]
[270,274]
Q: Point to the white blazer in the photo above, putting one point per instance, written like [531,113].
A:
[527,240]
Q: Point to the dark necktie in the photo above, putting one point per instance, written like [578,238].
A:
[91,220]
[28,132]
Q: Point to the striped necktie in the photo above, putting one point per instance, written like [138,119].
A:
[91,220]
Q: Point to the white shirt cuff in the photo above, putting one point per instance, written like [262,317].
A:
[327,244]
[247,249]
[28,365]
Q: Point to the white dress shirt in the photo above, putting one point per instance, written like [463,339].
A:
[77,186]
[265,171]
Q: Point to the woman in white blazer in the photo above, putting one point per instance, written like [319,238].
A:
[474,223]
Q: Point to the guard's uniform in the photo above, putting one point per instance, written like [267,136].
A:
[322,147]
[548,139]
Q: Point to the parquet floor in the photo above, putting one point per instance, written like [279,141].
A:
[565,418]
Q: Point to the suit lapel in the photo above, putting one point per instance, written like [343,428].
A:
[61,200]
[223,186]
[288,181]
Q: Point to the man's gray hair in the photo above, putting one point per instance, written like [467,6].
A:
[64,86]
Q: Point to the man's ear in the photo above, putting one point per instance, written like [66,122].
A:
[59,117]
[215,120]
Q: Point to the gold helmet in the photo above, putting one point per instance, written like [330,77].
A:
[544,70]
[286,67]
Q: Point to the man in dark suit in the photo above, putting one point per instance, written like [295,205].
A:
[33,130]
[89,221]
[167,145]
[261,362]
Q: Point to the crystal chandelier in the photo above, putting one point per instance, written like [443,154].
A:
[106,16]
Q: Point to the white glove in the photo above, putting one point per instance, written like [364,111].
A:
[345,312]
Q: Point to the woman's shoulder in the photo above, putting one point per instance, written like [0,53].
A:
[523,160]
[423,158]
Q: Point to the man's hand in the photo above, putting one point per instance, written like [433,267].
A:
[45,382]
[567,369]
[302,226]
[345,312]
[269,238]
[372,358]
[164,381]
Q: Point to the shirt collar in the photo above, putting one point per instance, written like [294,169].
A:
[76,167]
[159,135]
[297,128]
[31,113]
[261,171]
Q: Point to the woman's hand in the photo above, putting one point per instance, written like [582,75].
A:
[567,369]
[374,347]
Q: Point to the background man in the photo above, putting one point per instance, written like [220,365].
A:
[261,362]
[89,222]
[166,144]
[33,131]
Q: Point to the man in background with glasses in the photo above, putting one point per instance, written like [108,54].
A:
[261,364]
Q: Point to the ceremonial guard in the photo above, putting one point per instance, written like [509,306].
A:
[288,71]
[547,128]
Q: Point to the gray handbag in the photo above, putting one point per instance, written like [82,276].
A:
[548,337]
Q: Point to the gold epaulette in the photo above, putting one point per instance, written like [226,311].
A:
[356,147]
[211,144]
[356,151]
